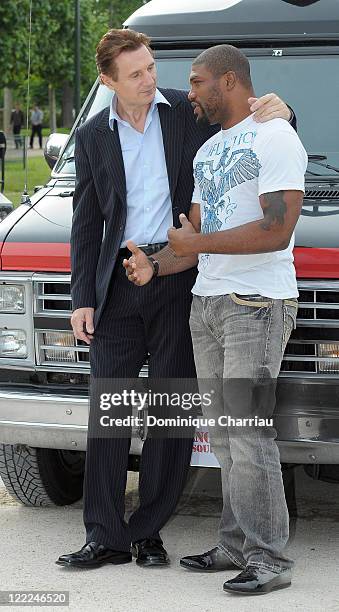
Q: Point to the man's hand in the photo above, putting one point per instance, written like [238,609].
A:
[82,324]
[138,268]
[178,239]
[269,107]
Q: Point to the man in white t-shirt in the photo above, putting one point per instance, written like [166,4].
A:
[249,184]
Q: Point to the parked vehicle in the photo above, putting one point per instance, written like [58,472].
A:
[293,50]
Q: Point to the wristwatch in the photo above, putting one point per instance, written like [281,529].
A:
[155,266]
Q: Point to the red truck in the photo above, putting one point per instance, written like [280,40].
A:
[293,49]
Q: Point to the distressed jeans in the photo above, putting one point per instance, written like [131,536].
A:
[239,342]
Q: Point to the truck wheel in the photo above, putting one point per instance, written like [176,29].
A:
[42,476]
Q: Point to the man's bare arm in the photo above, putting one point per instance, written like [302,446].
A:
[139,270]
[169,262]
[281,210]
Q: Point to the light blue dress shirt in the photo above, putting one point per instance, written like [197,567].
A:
[149,207]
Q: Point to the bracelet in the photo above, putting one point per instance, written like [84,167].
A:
[155,266]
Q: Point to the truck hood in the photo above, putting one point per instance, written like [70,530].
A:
[37,238]
[317,236]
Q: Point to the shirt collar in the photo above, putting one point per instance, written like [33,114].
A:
[159,98]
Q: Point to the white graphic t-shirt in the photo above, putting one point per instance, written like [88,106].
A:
[231,170]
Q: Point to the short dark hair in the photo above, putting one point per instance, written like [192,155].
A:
[112,44]
[222,58]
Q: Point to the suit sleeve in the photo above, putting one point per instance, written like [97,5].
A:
[86,233]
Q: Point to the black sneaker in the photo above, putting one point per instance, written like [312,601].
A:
[258,581]
[211,561]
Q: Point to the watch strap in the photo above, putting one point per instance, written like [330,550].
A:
[155,265]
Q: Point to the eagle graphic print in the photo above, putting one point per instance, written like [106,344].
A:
[233,168]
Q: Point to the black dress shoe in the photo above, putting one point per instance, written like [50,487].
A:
[211,561]
[150,552]
[255,581]
[94,555]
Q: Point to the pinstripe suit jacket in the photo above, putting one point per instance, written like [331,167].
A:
[99,203]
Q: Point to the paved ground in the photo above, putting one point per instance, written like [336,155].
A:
[32,538]
[13,153]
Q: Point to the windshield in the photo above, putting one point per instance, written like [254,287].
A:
[309,84]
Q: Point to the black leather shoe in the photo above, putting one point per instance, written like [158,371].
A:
[255,581]
[211,561]
[150,552]
[94,555]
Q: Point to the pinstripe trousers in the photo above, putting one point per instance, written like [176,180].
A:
[138,322]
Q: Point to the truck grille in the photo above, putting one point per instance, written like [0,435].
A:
[317,193]
[53,297]
[312,349]
[314,344]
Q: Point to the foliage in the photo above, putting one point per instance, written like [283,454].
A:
[53,42]
[38,174]
[13,36]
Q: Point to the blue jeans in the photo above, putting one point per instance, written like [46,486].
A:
[239,342]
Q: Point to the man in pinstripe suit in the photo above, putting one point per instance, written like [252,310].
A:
[134,177]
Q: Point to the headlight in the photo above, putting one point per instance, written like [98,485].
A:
[13,343]
[12,298]
[57,346]
[331,351]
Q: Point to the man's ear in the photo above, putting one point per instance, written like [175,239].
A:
[105,80]
[230,79]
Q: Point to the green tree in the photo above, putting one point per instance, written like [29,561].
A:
[118,11]
[13,36]
[53,46]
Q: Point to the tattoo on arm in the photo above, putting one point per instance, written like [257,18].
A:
[274,210]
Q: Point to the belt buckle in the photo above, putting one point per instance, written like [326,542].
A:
[146,248]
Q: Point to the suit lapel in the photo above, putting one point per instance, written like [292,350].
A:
[172,119]
[108,142]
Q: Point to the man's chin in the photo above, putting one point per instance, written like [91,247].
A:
[202,120]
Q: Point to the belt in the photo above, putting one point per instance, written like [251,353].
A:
[149,249]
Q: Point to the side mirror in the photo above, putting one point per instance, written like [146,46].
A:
[6,207]
[53,146]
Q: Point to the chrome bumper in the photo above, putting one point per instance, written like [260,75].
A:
[48,420]
[43,420]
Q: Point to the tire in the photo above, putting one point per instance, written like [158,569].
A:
[42,476]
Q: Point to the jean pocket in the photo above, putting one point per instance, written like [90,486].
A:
[290,309]
[256,300]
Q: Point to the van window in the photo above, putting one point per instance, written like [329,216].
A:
[308,83]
